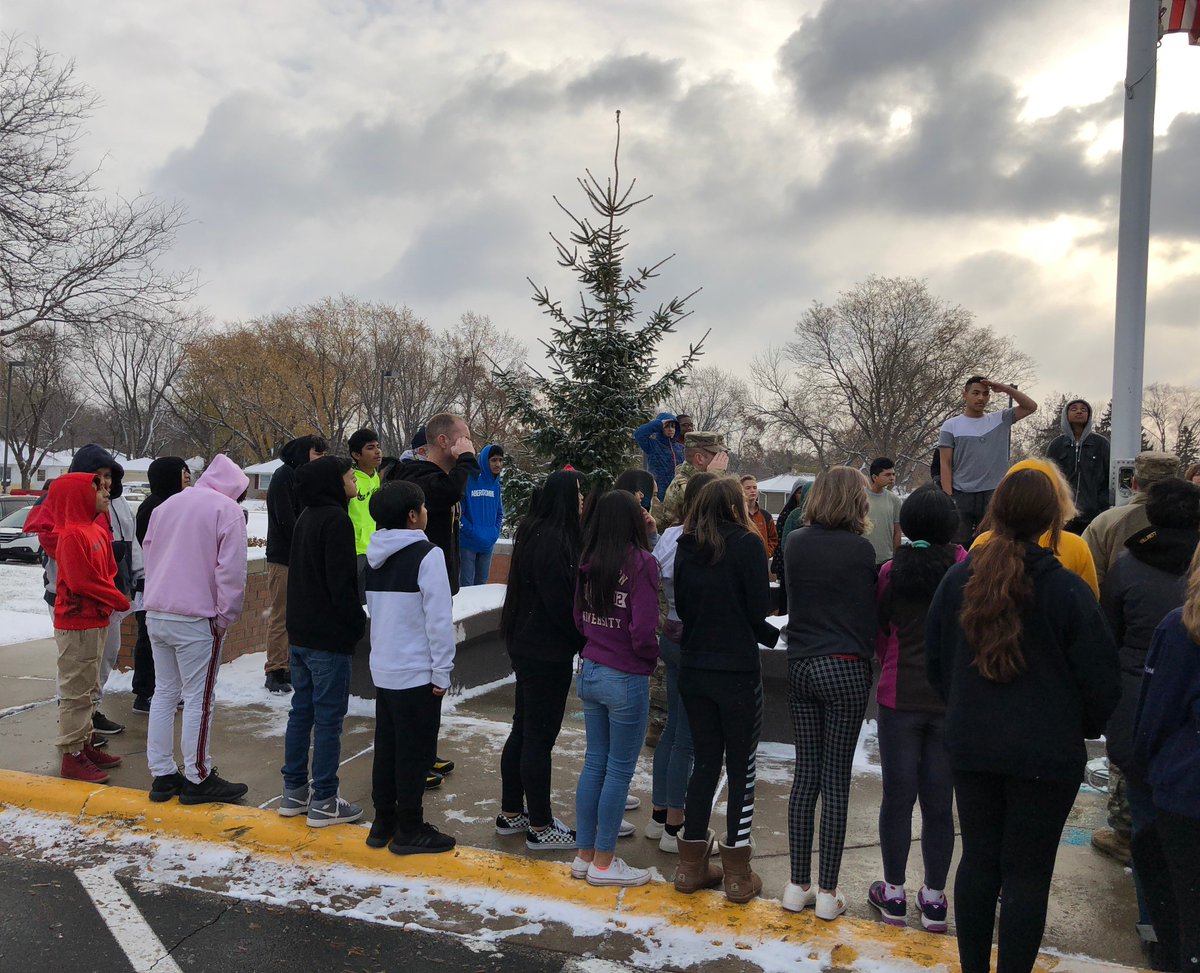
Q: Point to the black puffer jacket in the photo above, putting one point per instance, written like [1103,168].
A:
[1146,584]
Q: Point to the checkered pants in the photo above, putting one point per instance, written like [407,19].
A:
[827,697]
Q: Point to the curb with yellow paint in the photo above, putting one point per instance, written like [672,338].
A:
[846,942]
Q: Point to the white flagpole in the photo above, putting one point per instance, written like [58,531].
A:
[1133,238]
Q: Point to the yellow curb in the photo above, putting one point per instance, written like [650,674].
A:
[843,942]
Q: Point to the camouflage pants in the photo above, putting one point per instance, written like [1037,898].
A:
[1118,804]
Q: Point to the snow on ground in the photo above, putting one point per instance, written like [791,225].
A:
[23,613]
[390,898]
[477,600]
[256,527]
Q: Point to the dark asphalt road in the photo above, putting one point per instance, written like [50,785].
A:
[50,924]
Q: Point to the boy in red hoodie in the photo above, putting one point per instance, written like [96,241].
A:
[85,596]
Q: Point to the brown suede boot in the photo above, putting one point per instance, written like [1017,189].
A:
[741,883]
[695,871]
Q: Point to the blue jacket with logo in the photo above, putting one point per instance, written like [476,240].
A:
[482,508]
[663,455]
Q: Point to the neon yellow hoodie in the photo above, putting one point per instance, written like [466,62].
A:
[360,515]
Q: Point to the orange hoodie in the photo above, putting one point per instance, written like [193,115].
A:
[85,595]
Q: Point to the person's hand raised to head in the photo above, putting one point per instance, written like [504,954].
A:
[462,445]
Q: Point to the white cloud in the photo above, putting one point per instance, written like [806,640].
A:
[409,151]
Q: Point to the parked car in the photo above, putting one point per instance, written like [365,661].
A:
[10,502]
[14,542]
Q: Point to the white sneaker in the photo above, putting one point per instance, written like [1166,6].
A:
[669,842]
[626,830]
[797,898]
[295,802]
[632,803]
[830,905]
[618,873]
[579,868]
[654,830]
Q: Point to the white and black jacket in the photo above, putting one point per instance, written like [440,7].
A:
[412,620]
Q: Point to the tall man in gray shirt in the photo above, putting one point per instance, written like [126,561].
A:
[973,450]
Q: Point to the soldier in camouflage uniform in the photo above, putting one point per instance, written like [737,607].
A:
[701,451]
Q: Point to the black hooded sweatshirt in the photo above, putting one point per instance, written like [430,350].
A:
[282,506]
[1084,462]
[443,494]
[1033,727]
[323,610]
[1146,584]
[723,606]
[166,479]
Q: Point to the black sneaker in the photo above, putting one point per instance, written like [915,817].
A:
[557,837]
[102,724]
[278,681]
[433,779]
[516,824]
[426,840]
[141,705]
[99,742]
[166,787]
[441,766]
[382,830]
[211,790]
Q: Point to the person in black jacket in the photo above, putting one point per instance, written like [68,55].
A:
[282,510]
[722,596]
[168,475]
[1082,455]
[449,462]
[1142,588]
[324,623]
[1017,646]
[1166,755]
[539,631]
[830,572]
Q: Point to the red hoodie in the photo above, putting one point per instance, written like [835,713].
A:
[85,595]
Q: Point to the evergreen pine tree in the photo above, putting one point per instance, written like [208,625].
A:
[1104,426]
[602,360]
[1187,448]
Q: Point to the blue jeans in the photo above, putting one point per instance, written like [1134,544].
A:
[320,695]
[615,707]
[474,567]
[673,755]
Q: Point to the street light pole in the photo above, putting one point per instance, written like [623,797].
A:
[386,374]
[8,420]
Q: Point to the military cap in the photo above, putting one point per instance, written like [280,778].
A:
[1152,466]
[710,442]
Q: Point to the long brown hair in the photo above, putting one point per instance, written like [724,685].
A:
[838,500]
[720,502]
[1026,504]
[1191,604]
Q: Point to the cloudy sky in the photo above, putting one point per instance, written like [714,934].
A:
[406,151]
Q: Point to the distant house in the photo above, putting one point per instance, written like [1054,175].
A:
[260,475]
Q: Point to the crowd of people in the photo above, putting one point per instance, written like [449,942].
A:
[1004,614]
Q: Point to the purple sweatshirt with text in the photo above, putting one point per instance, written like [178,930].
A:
[625,637]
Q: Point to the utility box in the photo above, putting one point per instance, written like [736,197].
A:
[1121,481]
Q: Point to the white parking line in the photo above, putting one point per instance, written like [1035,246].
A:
[126,923]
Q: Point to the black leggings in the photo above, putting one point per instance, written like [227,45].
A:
[916,766]
[1010,833]
[143,660]
[541,700]
[724,710]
